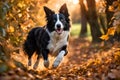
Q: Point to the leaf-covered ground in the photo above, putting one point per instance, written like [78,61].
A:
[85,61]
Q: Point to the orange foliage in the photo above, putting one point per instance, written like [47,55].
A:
[115,21]
[110,32]
[85,61]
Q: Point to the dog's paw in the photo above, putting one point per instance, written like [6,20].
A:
[56,62]
[46,63]
[55,65]
[35,66]
[29,63]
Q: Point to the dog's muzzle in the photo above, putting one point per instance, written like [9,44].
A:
[59,30]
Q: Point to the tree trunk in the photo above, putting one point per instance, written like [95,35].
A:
[93,21]
[83,31]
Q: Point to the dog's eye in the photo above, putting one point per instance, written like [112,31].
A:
[54,20]
[62,20]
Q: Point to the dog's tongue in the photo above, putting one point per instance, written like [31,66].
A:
[59,31]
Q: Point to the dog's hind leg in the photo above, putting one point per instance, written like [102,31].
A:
[45,57]
[30,58]
[37,62]
[29,61]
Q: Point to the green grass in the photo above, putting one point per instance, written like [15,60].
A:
[75,30]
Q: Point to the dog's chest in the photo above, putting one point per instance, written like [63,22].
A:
[57,42]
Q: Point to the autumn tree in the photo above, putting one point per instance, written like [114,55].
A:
[101,7]
[109,14]
[83,11]
[113,21]
[113,13]
[17,17]
[93,21]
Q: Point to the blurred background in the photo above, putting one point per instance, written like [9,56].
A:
[92,21]
[95,20]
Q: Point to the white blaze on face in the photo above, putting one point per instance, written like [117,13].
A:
[58,22]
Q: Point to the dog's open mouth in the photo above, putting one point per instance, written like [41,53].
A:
[59,30]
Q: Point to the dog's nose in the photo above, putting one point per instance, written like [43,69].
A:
[58,26]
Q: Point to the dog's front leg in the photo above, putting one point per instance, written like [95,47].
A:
[45,57]
[60,56]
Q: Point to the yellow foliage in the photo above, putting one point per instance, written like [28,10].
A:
[111,31]
[111,8]
[11,29]
[118,6]
[118,29]
[104,37]
[19,15]
[21,4]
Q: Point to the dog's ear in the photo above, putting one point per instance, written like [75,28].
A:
[64,10]
[48,11]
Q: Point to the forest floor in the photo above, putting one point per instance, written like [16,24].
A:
[85,61]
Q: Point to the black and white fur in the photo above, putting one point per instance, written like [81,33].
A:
[53,38]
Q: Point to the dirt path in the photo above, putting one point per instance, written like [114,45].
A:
[85,61]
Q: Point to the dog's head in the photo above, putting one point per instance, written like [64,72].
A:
[57,22]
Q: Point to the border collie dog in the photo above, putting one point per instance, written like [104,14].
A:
[51,39]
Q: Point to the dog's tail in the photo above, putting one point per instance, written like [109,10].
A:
[29,45]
